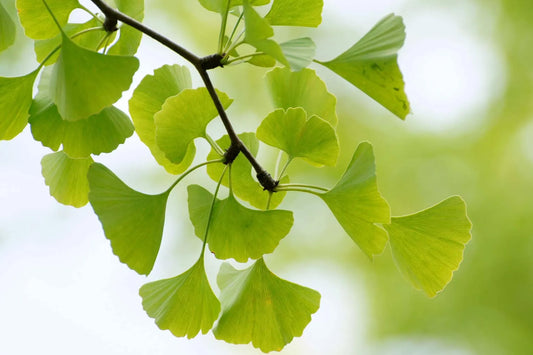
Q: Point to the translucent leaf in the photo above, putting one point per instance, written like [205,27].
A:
[372,65]
[302,89]
[428,246]
[221,5]
[147,100]
[307,13]
[130,38]
[259,307]
[183,118]
[184,304]
[67,178]
[299,52]
[85,82]
[236,231]
[132,221]
[357,204]
[244,185]
[15,94]
[37,21]
[262,60]
[8,30]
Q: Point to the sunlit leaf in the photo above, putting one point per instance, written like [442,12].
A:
[299,52]
[302,89]
[357,204]
[184,304]
[372,65]
[130,38]
[67,178]
[312,139]
[236,231]
[37,21]
[85,82]
[147,100]
[132,221]
[262,60]
[183,118]
[221,5]
[261,308]
[15,102]
[307,13]
[8,30]
[428,246]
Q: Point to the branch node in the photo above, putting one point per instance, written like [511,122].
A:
[266,180]
[232,153]
[110,24]
[211,61]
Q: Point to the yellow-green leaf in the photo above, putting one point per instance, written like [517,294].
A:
[306,13]
[8,30]
[37,21]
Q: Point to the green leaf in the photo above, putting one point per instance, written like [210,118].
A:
[428,246]
[184,304]
[183,118]
[236,231]
[312,139]
[302,89]
[132,221]
[244,185]
[8,30]
[85,82]
[221,5]
[130,38]
[259,307]
[357,204]
[299,52]
[307,13]
[67,178]
[147,100]
[372,65]
[262,60]
[37,21]
[15,94]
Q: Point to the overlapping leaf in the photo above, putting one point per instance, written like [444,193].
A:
[184,304]
[67,178]
[261,308]
[312,139]
[8,30]
[220,6]
[299,52]
[37,21]
[132,221]
[428,246]
[357,204]
[147,100]
[306,13]
[130,38]
[372,65]
[236,231]
[183,118]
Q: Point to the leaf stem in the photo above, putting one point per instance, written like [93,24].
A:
[91,13]
[285,167]
[214,145]
[230,38]
[211,210]
[182,176]
[298,190]
[223,28]
[304,186]
[242,57]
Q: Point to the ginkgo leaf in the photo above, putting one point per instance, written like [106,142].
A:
[357,204]
[244,185]
[8,30]
[312,139]
[299,52]
[261,308]
[147,100]
[372,65]
[428,246]
[302,89]
[184,304]
[85,82]
[67,178]
[220,6]
[236,231]
[37,21]
[262,60]
[131,220]
[15,94]
[130,38]
[306,13]
[183,118]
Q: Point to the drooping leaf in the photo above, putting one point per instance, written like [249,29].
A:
[221,5]
[130,38]
[147,100]
[244,185]
[357,204]
[306,13]
[8,30]
[236,231]
[67,178]
[183,118]
[85,82]
[261,308]
[15,102]
[372,65]
[132,221]
[299,52]
[37,21]
[302,89]
[184,304]
[312,139]
[428,246]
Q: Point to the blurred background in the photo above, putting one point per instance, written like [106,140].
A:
[468,67]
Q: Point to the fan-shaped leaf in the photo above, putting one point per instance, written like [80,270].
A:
[220,6]
[37,21]
[428,246]
[130,38]
[132,221]
[8,30]
[307,13]
[299,52]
